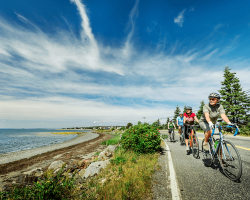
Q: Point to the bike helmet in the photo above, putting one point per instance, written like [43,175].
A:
[189,108]
[214,95]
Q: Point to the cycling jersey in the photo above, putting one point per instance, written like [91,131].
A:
[171,125]
[214,112]
[189,119]
[180,120]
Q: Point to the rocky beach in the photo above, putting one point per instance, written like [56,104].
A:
[26,166]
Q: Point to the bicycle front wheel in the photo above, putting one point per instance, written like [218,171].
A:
[195,147]
[207,155]
[230,161]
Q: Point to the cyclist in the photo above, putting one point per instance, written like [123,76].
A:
[189,118]
[170,127]
[179,122]
[211,112]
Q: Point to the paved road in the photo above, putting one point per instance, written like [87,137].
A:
[195,181]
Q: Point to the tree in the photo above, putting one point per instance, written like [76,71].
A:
[177,112]
[200,111]
[234,99]
[184,109]
[167,120]
[128,125]
[158,122]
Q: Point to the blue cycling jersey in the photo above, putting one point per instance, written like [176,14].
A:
[180,120]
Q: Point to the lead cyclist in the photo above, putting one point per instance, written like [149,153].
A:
[211,112]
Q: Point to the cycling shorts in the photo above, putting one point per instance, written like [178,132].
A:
[187,131]
[170,130]
[204,125]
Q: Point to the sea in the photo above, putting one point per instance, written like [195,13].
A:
[13,140]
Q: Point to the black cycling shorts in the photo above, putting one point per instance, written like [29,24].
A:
[187,131]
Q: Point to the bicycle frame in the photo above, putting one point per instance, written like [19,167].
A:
[221,140]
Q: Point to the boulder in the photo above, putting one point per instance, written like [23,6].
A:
[111,148]
[95,168]
[104,156]
[34,172]
[56,164]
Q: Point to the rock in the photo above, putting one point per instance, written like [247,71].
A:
[81,173]
[56,164]
[27,179]
[34,172]
[95,168]
[111,148]
[102,156]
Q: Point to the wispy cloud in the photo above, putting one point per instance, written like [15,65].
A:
[65,78]
[180,18]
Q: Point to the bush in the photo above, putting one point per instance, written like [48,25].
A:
[142,138]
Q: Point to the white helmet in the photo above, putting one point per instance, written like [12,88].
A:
[214,95]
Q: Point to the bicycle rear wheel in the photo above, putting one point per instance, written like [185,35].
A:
[195,147]
[230,161]
[207,155]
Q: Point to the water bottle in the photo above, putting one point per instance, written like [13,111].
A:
[215,143]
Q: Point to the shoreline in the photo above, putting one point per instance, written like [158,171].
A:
[19,155]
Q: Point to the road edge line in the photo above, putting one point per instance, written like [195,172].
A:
[173,182]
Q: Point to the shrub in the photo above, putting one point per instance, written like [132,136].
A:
[142,138]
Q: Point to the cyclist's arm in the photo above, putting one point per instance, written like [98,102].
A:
[177,122]
[184,120]
[224,117]
[168,125]
[196,119]
[174,127]
[207,117]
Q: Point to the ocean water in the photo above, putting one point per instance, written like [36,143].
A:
[12,140]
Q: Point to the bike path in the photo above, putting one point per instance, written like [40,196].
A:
[196,181]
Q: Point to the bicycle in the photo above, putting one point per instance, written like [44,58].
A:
[182,137]
[194,141]
[225,152]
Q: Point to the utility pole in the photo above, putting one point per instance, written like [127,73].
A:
[144,119]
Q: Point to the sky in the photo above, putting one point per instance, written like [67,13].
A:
[68,63]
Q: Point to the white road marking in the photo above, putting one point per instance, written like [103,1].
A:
[173,182]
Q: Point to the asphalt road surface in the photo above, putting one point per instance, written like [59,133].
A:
[196,181]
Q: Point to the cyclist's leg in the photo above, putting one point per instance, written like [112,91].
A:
[186,138]
[191,141]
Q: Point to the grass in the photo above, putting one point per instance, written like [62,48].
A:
[51,187]
[67,133]
[127,177]
[112,141]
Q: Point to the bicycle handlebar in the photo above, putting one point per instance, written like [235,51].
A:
[229,126]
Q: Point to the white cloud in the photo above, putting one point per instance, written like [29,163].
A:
[180,18]
[45,83]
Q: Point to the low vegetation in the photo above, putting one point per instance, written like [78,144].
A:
[51,187]
[127,177]
[113,141]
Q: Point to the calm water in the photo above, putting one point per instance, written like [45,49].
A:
[12,140]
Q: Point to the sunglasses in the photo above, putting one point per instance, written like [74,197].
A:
[212,99]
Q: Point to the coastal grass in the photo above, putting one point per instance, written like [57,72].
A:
[51,187]
[112,141]
[127,177]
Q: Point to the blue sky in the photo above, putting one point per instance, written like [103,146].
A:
[83,63]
